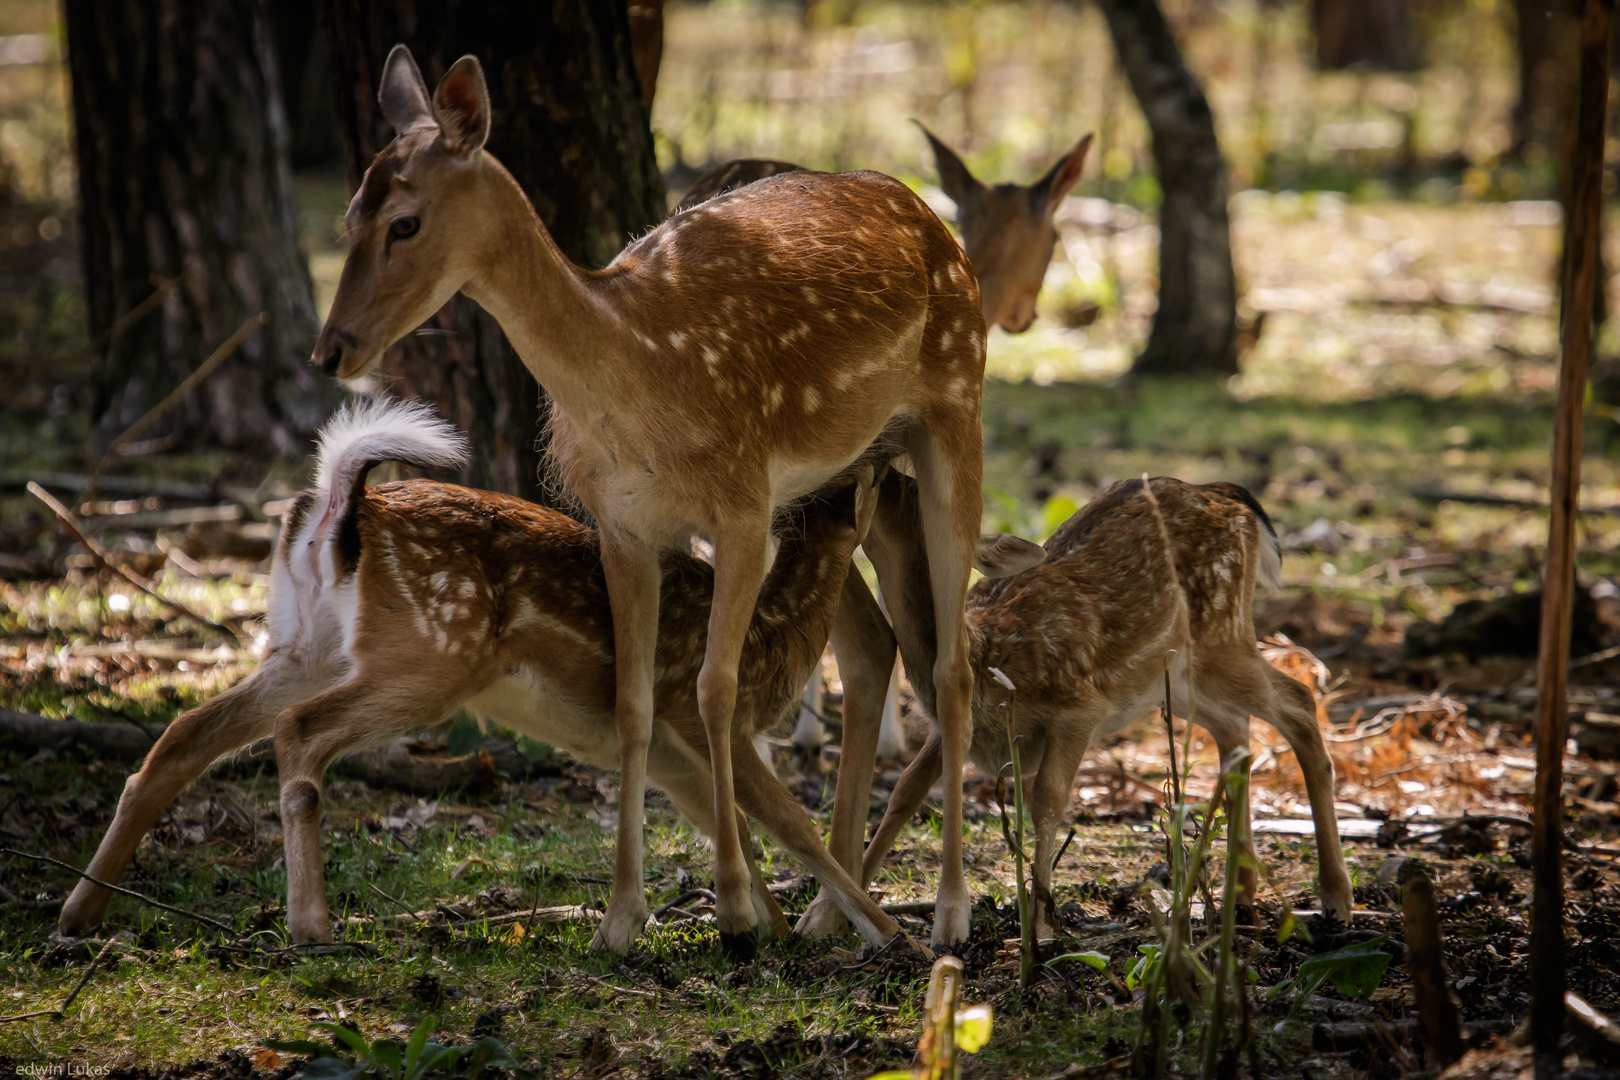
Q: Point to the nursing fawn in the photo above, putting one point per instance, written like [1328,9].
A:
[392,607]
[731,361]
[1084,637]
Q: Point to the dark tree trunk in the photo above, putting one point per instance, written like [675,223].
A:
[568,121]
[1195,327]
[313,139]
[182,156]
[1364,33]
[1538,27]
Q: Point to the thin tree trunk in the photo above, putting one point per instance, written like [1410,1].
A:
[1195,327]
[1547,978]
[182,163]
[568,121]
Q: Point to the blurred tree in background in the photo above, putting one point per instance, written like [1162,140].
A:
[569,121]
[1195,326]
[183,177]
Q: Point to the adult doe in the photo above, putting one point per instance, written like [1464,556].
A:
[734,359]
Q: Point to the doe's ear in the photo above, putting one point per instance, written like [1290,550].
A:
[461,105]
[1051,188]
[954,177]
[403,94]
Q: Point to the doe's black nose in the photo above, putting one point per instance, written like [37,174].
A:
[333,357]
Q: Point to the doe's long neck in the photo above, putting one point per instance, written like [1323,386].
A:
[559,320]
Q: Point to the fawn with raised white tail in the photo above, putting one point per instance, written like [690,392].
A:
[736,358]
[394,606]
[1006,229]
[1083,637]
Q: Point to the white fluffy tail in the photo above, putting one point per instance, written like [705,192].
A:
[367,433]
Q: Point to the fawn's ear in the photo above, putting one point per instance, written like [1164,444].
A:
[403,95]
[1004,555]
[461,105]
[1051,188]
[954,177]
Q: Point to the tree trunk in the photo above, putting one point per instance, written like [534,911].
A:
[1364,33]
[567,119]
[1195,327]
[1539,26]
[182,161]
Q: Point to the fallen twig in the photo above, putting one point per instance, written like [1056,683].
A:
[690,894]
[190,383]
[1485,498]
[61,1009]
[142,897]
[100,557]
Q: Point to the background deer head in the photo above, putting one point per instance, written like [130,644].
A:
[1007,230]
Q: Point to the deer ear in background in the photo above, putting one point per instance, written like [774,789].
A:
[461,105]
[1003,555]
[403,94]
[954,177]
[1049,190]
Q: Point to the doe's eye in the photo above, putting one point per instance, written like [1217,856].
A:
[404,228]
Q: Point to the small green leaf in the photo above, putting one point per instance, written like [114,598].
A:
[533,749]
[1354,971]
[973,1025]
[346,1036]
[330,1068]
[1058,509]
[386,1053]
[297,1046]
[1095,959]
[487,1052]
[466,734]
[419,1038]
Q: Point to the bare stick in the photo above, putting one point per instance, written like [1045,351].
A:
[100,556]
[142,897]
[164,286]
[190,383]
[1425,965]
[1547,976]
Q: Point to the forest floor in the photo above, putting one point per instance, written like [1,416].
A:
[1393,416]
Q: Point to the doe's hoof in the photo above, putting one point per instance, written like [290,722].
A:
[739,948]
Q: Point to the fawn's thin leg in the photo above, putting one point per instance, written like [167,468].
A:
[779,813]
[631,570]
[1054,780]
[909,795]
[690,787]
[739,569]
[229,721]
[951,504]
[864,646]
[308,736]
[1291,709]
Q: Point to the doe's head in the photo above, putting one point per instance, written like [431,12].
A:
[1007,230]
[415,227]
